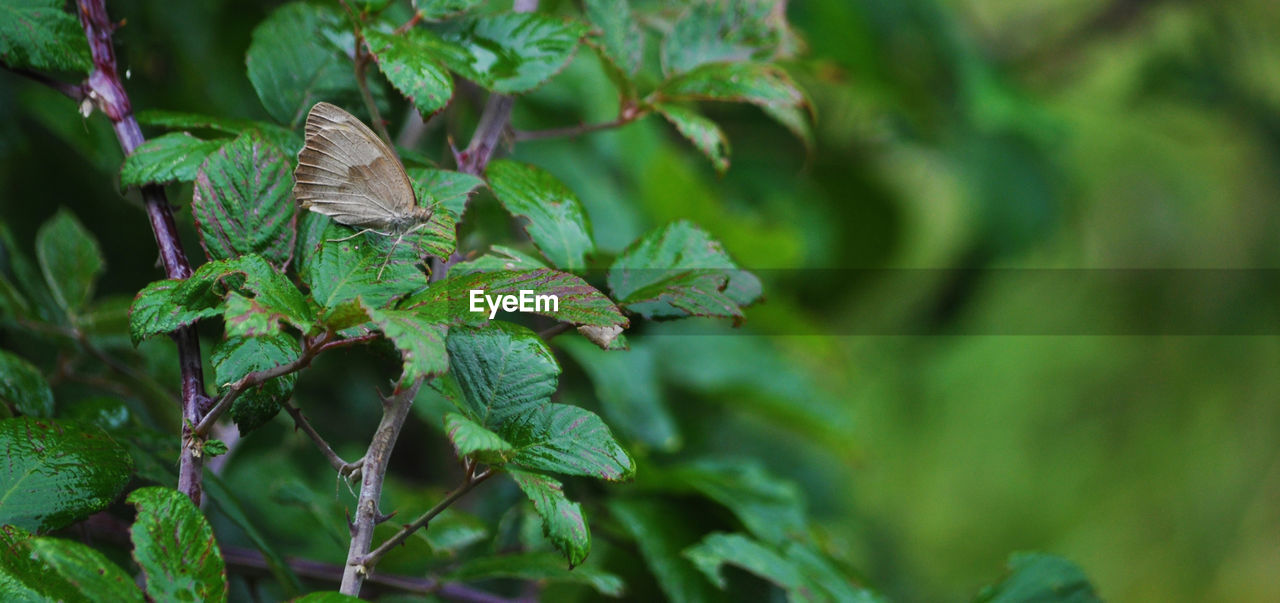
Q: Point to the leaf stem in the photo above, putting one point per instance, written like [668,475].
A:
[104,88]
[472,480]
[300,421]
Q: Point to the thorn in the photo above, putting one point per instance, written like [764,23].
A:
[378,519]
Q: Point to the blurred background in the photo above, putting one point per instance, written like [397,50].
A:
[1000,135]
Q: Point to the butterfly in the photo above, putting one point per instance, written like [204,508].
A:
[347,173]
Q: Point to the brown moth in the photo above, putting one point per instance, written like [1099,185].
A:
[349,174]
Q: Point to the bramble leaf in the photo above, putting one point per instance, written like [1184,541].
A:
[679,270]
[407,62]
[721,32]
[557,222]
[702,132]
[500,258]
[242,202]
[539,567]
[566,439]
[339,271]
[420,342]
[293,64]
[626,384]
[578,302]
[756,83]
[70,259]
[661,530]
[23,386]
[435,10]
[236,357]
[1040,577]
[562,520]
[474,440]
[55,569]
[173,157]
[621,39]
[174,546]
[719,549]
[502,370]
[40,35]
[511,53]
[163,306]
[444,188]
[57,472]
[772,509]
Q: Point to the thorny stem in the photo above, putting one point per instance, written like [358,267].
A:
[106,91]
[394,411]
[473,480]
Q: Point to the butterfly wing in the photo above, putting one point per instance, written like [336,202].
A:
[349,174]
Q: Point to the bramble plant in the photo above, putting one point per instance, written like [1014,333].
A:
[273,289]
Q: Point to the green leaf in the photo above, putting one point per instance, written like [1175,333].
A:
[57,472]
[772,509]
[721,32]
[435,10]
[537,567]
[340,271]
[242,202]
[565,439]
[498,259]
[557,222]
[420,342]
[576,301]
[756,83]
[626,384]
[27,282]
[620,35]
[70,260]
[719,549]
[562,520]
[662,529]
[503,371]
[702,132]
[679,270]
[173,157]
[54,569]
[174,546]
[238,356]
[794,118]
[23,386]
[40,35]
[820,571]
[444,188]
[293,64]
[512,53]
[282,138]
[472,439]
[407,62]
[1041,578]
[164,306]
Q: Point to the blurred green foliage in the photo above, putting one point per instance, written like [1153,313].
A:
[974,133]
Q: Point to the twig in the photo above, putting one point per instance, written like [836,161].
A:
[472,481]
[75,92]
[394,411]
[623,119]
[300,421]
[243,558]
[311,348]
[106,91]
[363,55]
